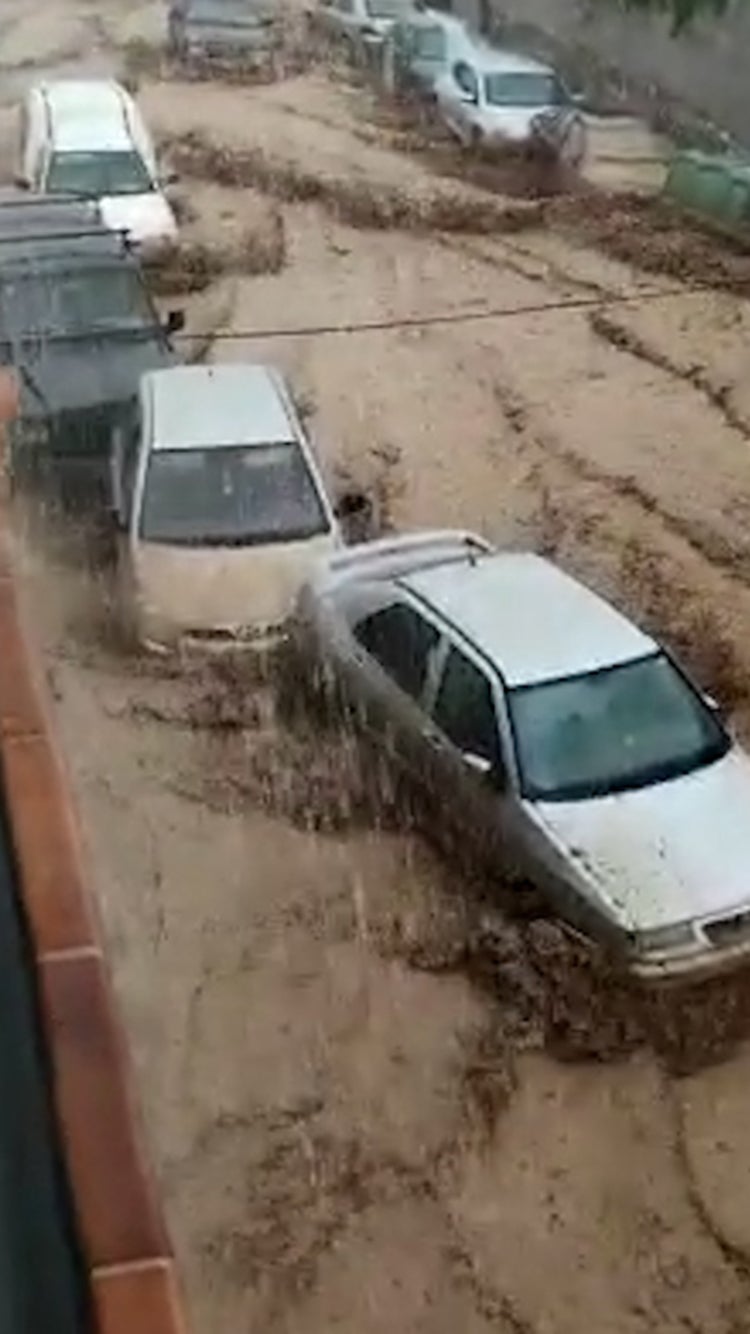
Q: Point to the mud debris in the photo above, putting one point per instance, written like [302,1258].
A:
[613,328]
[653,236]
[193,266]
[358,202]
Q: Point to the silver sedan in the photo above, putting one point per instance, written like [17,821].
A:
[549,731]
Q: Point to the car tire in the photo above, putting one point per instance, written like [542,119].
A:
[475,140]
[573,148]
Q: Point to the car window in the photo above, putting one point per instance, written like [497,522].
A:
[523,90]
[401,641]
[97,174]
[465,78]
[465,710]
[231,495]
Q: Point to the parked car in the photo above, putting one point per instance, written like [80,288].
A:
[421,47]
[500,100]
[220,505]
[361,25]
[227,32]
[545,728]
[79,326]
[87,138]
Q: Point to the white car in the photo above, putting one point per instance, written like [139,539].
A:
[558,744]
[497,99]
[220,507]
[86,137]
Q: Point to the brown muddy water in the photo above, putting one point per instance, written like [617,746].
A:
[374,1103]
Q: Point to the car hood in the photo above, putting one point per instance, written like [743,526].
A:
[82,372]
[667,853]
[224,588]
[146,217]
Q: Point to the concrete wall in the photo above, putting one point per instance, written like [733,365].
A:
[708,68]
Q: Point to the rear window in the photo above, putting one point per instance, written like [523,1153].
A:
[231,496]
[98,174]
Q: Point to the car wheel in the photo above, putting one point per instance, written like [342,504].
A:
[475,139]
[573,148]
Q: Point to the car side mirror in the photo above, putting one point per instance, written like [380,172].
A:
[175,321]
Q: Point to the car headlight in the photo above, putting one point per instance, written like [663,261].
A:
[666,939]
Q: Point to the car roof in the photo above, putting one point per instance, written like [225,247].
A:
[64,249]
[83,111]
[494,60]
[21,214]
[533,621]
[431,18]
[200,407]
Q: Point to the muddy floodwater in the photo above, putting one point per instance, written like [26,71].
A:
[374,1105]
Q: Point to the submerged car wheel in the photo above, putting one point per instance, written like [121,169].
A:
[476,139]
[572,146]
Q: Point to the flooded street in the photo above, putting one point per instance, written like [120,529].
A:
[372,1104]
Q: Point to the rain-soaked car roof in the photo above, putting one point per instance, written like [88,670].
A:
[41,1277]
[20,212]
[76,346]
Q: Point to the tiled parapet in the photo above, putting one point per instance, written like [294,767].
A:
[121,1232]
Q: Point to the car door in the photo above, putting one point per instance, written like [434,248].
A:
[466,766]
[391,659]
[457,94]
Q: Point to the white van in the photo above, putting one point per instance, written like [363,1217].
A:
[87,137]
[220,506]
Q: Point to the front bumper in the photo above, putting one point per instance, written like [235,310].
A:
[158,636]
[215,55]
[697,966]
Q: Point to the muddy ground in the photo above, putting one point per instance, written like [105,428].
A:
[373,1104]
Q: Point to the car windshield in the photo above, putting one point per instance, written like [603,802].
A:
[98,174]
[227,13]
[231,496]
[385,9]
[523,90]
[611,731]
[429,44]
[77,300]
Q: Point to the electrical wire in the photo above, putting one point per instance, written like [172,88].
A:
[446,317]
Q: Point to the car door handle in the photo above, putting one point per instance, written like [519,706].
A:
[435,738]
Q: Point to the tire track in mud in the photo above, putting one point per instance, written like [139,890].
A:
[360,203]
[625,339]
[692,626]
[736,1256]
